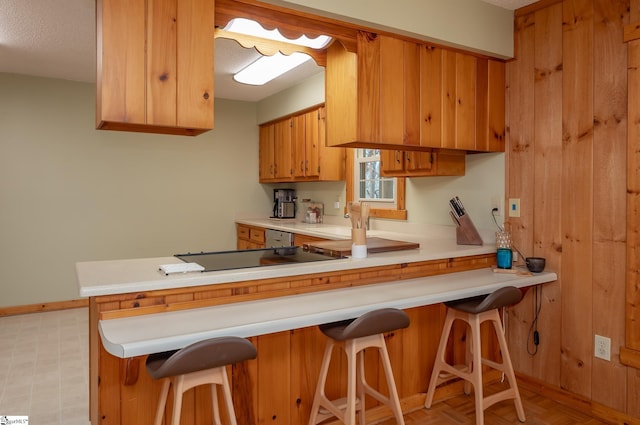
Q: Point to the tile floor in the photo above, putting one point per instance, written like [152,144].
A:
[44,367]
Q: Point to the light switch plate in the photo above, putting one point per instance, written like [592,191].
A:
[514,207]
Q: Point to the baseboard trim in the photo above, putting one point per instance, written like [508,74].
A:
[577,402]
[37,308]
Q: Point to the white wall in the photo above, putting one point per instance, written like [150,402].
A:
[71,193]
[483,182]
[427,198]
[309,92]
[468,24]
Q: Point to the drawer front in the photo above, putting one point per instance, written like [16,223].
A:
[256,235]
[243,232]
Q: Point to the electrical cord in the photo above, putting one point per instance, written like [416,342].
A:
[537,300]
[493,214]
[533,329]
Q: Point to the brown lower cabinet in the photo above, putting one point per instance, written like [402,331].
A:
[250,237]
[279,385]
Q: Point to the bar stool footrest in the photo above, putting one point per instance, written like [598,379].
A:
[340,404]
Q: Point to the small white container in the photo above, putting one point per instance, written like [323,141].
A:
[358,251]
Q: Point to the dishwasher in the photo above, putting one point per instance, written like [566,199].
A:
[277,238]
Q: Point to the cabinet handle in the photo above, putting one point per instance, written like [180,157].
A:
[398,157]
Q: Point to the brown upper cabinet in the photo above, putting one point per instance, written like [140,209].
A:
[402,95]
[490,105]
[436,162]
[267,160]
[155,66]
[293,149]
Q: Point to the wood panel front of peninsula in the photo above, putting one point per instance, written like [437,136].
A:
[278,386]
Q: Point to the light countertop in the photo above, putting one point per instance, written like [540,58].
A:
[96,278]
[140,335]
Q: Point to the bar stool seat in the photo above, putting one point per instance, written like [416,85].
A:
[474,311]
[354,336]
[201,363]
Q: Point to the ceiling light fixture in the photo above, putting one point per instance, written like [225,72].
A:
[250,27]
[267,68]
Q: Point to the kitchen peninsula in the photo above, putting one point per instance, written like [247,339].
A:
[135,310]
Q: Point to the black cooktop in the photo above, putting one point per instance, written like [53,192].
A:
[229,260]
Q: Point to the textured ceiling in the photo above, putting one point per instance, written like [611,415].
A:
[56,39]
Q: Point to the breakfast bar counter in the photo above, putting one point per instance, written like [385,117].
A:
[135,309]
[140,335]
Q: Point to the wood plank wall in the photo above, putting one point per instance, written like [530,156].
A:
[566,161]
[633,209]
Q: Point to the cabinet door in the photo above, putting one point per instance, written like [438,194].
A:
[266,170]
[431,96]
[195,64]
[388,90]
[298,145]
[392,162]
[143,83]
[411,94]
[121,33]
[304,144]
[490,105]
[368,86]
[283,168]
[458,111]
[391,90]
[465,101]
[312,143]
[331,160]
[418,162]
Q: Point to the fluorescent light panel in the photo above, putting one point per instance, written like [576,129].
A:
[267,68]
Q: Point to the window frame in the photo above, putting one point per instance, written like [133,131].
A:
[359,160]
[397,213]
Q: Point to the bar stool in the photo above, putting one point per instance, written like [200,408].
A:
[474,311]
[203,362]
[354,336]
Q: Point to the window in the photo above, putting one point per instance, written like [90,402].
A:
[370,185]
[392,210]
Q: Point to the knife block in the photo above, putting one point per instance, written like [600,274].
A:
[466,232]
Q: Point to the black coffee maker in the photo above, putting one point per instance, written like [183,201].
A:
[284,203]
